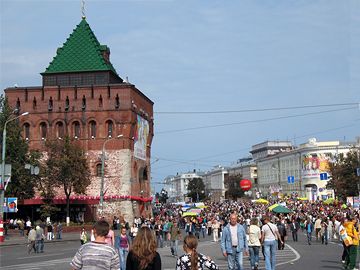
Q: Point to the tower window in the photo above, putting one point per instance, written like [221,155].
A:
[117,102]
[92,129]
[67,103]
[51,105]
[76,129]
[26,129]
[60,130]
[98,170]
[100,101]
[43,130]
[34,103]
[18,104]
[110,127]
[83,106]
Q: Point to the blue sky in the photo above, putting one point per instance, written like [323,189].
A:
[209,56]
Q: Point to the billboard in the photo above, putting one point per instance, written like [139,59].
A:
[141,138]
[313,164]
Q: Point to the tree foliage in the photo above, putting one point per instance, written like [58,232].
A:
[22,184]
[344,180]
[232,185]
[66,168]
[196,189]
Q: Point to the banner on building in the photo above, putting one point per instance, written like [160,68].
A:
[141,138]
[313,164]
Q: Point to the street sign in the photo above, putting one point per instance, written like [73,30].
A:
[323,176]
[291,179]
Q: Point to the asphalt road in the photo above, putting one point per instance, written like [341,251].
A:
[298,255]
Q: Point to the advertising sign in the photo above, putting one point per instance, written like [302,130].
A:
[140,138]
[356,202]
[314,164]
[11,205]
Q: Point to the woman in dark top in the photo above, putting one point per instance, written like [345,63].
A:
[192,260]
[143,255]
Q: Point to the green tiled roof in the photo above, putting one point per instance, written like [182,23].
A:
[81,52]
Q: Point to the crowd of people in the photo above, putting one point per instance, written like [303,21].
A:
[237,229]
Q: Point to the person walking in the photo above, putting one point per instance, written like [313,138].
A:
[83,236]
[59,230]
[318,228]
[124,246]
[143,254]
[49,231]
[32,240]
[254,243]
[97,254]
[269,237]
[192,260]
[39,239]
[282,232]
[215,225]
[175,236]
[234,243]
[352,232]
[309,229]
[294,228]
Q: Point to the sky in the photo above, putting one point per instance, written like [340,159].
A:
[223,75]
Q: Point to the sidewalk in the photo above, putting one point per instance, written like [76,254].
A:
[13,238]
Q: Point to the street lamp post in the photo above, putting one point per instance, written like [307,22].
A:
[2,191]
[102,172]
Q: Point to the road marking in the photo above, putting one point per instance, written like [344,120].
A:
[298,256]
[45,255]
[38,265]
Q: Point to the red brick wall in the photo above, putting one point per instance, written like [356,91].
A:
[132,103]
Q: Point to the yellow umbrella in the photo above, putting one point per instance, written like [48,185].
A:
[303,199]
[263,201]
[273,206]
[189,214]
[201,206]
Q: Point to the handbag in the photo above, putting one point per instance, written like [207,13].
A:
[348,241]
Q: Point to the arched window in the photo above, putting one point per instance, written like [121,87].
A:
[110,127]
[43,130]
[98,170]
[92,129]
[26,129]
[60,132]
[76,129]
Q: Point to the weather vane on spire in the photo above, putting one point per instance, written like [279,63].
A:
[83,9]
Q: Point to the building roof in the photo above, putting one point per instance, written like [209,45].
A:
[81,52]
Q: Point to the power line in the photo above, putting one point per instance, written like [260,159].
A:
[253,121]
[260,110]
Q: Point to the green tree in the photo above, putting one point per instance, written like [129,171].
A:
[344,179]
[196,189]
[232,185]
[21,184]
[66,168]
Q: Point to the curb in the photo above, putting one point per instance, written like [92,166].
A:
[5,244]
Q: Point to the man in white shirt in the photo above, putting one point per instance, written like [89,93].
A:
[269,237]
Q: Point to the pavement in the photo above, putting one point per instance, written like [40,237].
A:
[13,238]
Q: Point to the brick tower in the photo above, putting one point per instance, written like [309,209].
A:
[84,98]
